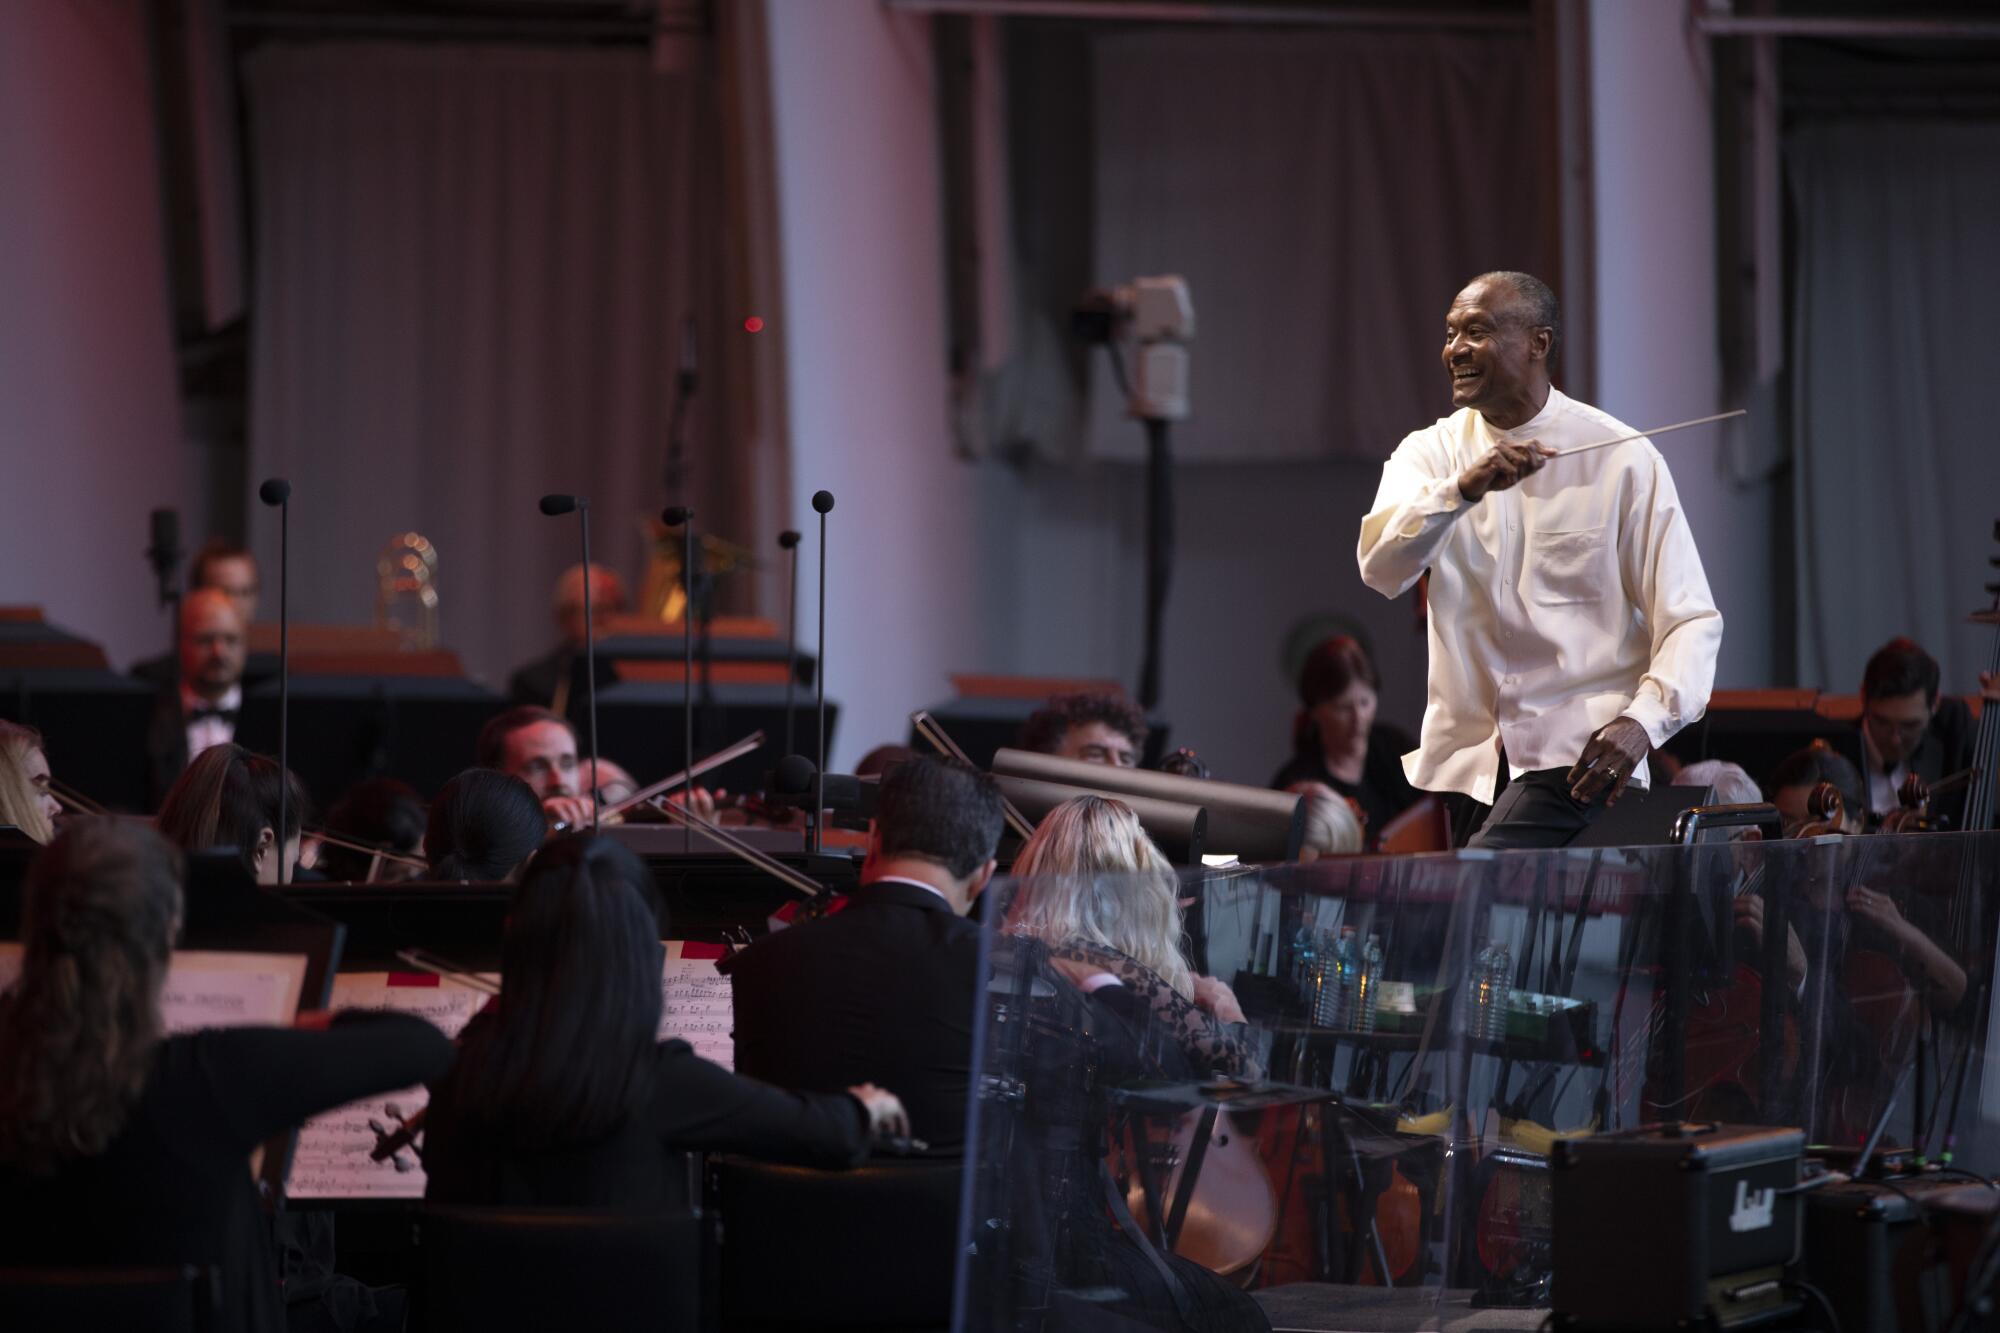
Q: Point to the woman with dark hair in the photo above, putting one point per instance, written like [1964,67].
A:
[122,1146]
[381,813]
[563,1094]
[228,800]
[484,826]
[1336,739]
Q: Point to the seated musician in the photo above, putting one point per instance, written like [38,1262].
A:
[564,1096]
[123,1146]
[230,569]
[228,800]
[554,680]
[484,826]
[214,646]
[25,799]
[1096,728]
[381,813]
[1336,739]
[885,987]
[1731,785]
[538,747]
[1906,727]
[1095,891]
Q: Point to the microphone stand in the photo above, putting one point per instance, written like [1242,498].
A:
[683,517]
[789,541]
[589,655]
[822,501]
[278,492]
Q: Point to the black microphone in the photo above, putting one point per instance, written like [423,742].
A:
[795,782]
[689,376]
[165,552]
[682,517]
[789,541]
[276,493]
[823,505]
[553,506]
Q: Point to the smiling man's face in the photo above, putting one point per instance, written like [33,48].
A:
[1496,359]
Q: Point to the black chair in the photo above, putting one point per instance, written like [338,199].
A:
[169,1298]
[869,1248]
[498,1269]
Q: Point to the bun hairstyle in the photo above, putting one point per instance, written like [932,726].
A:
[78,1029]
[483,825]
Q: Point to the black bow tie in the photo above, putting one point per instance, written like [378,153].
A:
[203,714]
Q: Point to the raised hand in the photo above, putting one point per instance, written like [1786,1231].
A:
[1506,464]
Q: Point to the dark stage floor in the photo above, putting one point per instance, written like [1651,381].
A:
[1321,1307]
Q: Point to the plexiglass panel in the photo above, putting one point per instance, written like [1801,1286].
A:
[1350,1074]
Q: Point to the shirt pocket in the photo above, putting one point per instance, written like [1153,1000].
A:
[1566,567]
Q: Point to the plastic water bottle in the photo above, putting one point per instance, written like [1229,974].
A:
[1499,990]
[1367,999]
[1304,959]
[1479,994]
[1335,1000]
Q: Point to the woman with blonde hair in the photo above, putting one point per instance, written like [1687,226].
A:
[25,799]
[1095,889]
[1093,892]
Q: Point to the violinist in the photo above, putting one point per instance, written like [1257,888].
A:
[1906,727]
[25,799]
[885,988]
[228,800]
[484,826]
[538,747]
[123,1146]
[381,812]
[564,1096]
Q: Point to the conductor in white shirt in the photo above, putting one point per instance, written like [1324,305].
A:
[1571,627]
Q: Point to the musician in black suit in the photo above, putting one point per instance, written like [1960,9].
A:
[555,681]
[883,990]
[202,710]
[1907,728]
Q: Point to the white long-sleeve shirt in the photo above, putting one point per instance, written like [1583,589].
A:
[1555,605]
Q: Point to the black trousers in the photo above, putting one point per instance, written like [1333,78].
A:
[1536,810]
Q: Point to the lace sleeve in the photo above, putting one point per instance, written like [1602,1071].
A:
[1212,1046]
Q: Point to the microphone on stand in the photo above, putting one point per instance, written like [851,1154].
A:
[789,541]
[552,506]
[277,494]
[164,554]
[823,504]
[682,517]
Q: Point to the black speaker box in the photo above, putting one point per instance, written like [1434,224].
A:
[1676,1226]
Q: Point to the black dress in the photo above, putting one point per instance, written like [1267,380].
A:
[641,1165]
[174,1186]
[1383,792]
[1064,1265]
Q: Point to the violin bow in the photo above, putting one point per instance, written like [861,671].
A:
[927,727]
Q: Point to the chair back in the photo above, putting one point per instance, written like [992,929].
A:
[490,1269]
[166,1298]
[869,1248]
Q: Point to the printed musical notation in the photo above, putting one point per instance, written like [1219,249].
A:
[333,1158]
[697,1005]
[209,989]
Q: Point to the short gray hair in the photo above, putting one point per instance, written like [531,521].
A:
[1544,311]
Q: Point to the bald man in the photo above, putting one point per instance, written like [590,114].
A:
[213,648]
[555,680]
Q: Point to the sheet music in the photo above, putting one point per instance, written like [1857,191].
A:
[208,989]
[332,1158]
[697,1003]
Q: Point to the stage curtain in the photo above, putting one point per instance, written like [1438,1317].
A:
[1896,487]
[1324,193]
[472,270]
